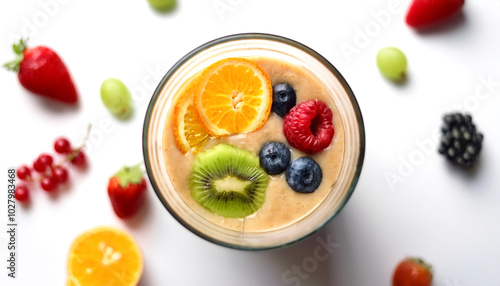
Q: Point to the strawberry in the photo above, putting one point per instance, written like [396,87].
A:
[41,71]
[412,272]
[426,12]
[127,191]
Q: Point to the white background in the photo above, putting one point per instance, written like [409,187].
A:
[436,211]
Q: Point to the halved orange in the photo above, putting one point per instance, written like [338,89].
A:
[104,256]
[189,132]
[234,96]
[71,281]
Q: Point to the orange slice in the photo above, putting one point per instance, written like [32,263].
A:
[234,96]
[104,256]
[189,132]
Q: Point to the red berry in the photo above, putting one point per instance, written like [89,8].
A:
[62,146]
[23,172]
[423,13]
[46,159]
[41,71]
[60,173]
[21,193]
[39,166]
[309,127]
[127,191]
[49,184]
[79,160]
[412,271]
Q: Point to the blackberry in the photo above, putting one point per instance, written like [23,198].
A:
[460,141]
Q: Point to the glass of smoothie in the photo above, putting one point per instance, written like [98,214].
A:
[253,141]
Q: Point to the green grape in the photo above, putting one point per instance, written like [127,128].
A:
[116,97]
[163,5]
[392,63]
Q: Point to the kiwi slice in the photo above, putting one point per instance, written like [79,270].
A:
[228,181]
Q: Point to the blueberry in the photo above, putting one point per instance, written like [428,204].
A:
[284,98]
[274,157]
[304,175]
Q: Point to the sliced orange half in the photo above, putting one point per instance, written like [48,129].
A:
[104,256]
[189,132]
[234,96]
[71,281]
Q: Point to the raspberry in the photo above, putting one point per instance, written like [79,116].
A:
[309,127]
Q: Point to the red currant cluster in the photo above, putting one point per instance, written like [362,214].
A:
[49,175]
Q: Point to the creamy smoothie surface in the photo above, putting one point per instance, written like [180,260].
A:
[283,206]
